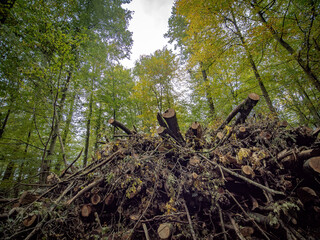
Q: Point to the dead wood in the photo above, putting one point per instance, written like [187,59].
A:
[243,108]
[117,124]
[165,230]
[170,117]
[86,210]
[29,221]
[312,166]
[238,187]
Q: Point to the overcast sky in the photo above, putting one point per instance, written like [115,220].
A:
[148,24]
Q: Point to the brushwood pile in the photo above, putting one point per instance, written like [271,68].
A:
[253,178]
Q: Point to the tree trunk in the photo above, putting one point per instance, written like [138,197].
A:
[254,67]
[309,103]
[3,126]
[69,119]
[208,94]
[98,126]
[86,148]
[65,134]
[303,64]
[48,155]
[9,171]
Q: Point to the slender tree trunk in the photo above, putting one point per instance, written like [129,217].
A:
[8,173]
[47,159]
[63,139]
[17,185]
[302,63]
[253,66]
[69,120]
[3,126]
[86,148]
[309,103]
[98,126]
[208,93]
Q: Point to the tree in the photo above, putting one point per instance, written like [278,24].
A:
[154,87]
[43,47]
[306,25]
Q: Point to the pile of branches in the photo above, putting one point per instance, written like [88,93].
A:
[252,178]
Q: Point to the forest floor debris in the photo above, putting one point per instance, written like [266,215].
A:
[258,179]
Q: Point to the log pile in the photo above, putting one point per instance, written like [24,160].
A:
[255,178]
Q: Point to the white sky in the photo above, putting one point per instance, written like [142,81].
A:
[148,24]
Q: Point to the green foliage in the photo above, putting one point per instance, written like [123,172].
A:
[154,90]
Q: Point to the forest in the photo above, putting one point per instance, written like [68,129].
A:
[61,81]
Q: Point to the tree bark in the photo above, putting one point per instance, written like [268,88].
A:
[115,123]
[208,93]
[3,126]
[243,108]
[9,171]
[86,147]
[170,117]
[97,127]
[57,114]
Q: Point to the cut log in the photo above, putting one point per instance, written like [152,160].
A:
[291,159]
[115,123]
[242,132]
[86,210]
[170,117]
[312,166]
[27,198]
[109,199]
[194,161]
[247,170]
[196,129]
[95,199]
[165,230]
[243,108]
[247,232]
[29,221]
[306,194]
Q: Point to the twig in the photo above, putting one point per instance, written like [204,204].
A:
[236,228]
[245,213]
[98,219]
[100,164]
[243,178]
[145,231]
[189,220]
[222,222]
[65,191]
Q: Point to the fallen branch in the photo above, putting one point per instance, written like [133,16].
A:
[243,178]
[117,124]
[189,220]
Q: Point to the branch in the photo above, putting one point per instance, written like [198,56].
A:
[243,178]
